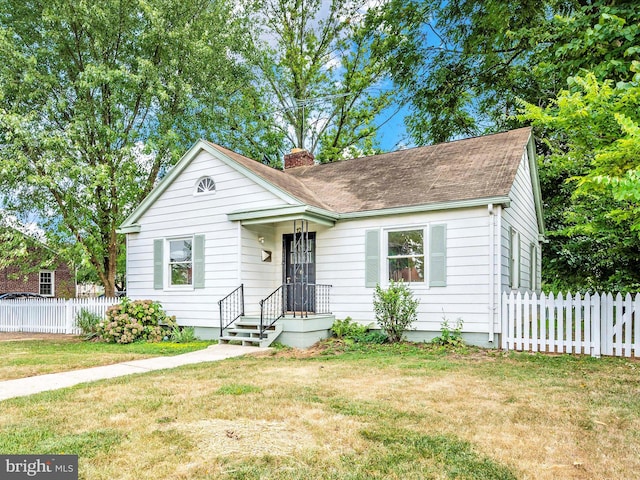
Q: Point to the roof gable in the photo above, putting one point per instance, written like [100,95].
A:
[259,173]
[462,172]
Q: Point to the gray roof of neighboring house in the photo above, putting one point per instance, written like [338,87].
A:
[474,168]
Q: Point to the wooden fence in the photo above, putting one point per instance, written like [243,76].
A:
[49,315]
[595,325]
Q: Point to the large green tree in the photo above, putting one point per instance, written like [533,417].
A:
[324,67]
[592,137]
[97,100]
[483,56]
[486,57]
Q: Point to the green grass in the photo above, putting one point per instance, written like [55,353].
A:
[388,412]
[36,357]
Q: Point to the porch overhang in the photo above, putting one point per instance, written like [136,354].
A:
[284,214]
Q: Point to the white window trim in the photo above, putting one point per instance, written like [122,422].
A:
[384,257]
[196,193]
[167,266]
[53,283]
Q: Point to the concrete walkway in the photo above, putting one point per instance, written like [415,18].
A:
[28,386]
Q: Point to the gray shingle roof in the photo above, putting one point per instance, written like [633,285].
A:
[474,168]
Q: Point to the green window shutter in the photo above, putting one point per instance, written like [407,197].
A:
[158,264]
[514,259]
[510,256]
[438,256]
[533,265]
[372,260]
[198,261]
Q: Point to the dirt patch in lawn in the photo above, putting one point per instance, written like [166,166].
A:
[50,337]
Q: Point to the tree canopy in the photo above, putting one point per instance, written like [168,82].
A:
[97,99]
[483,57]
[325,69]
[592,136]
[573,64]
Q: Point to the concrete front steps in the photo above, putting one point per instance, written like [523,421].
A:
[294,331]
[246,331]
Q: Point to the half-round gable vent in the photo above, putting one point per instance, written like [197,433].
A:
[206,185]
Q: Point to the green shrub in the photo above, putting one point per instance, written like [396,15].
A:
[395,309]
[183,334]
[131,321]
[374,336]
[449,337]
[88,322]
[347,328]
[355,332]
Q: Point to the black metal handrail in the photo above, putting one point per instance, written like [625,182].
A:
[321,294]
[271,309]
[231,308]
[304,298]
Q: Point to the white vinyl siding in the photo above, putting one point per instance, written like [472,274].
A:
[343,258]
[519,224]
[178,213]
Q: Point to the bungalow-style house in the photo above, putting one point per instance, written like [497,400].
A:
[460,222]
[32,267]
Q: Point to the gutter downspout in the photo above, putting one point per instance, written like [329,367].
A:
[239,258]
[492,272]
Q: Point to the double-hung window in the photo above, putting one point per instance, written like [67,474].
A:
[405,255]
[46,283]
[180,262]
[415,255]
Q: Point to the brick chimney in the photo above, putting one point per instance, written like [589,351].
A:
[298,158]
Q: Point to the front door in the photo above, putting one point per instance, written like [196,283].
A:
[300,271]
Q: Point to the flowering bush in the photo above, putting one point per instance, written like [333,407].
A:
[135,320]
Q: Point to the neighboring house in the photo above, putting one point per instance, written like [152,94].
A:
[35,268]
[460,222]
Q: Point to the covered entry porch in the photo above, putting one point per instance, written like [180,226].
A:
[279,296]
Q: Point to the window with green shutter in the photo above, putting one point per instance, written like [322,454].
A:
[182,260]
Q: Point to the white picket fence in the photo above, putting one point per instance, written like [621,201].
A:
[595,325]
[50,315]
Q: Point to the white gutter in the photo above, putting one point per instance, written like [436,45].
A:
[492,271]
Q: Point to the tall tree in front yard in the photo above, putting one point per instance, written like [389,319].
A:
[97,100]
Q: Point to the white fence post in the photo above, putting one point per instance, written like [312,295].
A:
[596,326]
[68,313]
[586,331]
[636,326]
[505,322]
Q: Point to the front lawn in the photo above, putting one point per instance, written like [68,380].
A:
[25,358]
[402,412]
